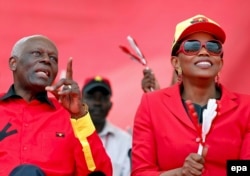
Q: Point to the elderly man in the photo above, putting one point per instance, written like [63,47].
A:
[36,129]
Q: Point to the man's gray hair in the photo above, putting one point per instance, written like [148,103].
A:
[19,44]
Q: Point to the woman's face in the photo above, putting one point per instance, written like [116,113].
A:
[201,65]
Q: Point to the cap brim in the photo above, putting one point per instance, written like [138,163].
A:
[204,27]
[97,86]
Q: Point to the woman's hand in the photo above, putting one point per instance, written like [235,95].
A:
[193,165]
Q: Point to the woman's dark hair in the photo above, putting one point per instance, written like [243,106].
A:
[176,48]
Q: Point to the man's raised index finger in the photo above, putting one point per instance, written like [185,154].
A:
[69,71]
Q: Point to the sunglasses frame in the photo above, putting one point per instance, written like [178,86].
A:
[202,45]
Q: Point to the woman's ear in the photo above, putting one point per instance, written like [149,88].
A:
[222,63]
[13,63]
[175,62]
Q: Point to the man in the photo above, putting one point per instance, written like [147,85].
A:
[117,142]
[37,130]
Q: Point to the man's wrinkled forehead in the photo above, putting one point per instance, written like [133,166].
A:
[34,42]
[43,43]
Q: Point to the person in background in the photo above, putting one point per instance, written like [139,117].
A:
[96,93]
[150,83]
[55,135]
[193,127]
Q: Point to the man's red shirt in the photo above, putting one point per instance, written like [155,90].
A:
[40,132]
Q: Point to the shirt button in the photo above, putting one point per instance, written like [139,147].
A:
[198,139]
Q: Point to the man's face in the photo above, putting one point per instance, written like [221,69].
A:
[99,106]
[36,64]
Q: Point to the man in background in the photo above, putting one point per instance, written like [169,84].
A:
[97,94]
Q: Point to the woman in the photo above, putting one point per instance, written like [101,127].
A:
[167,137]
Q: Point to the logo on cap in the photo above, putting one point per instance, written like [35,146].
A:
[98,78]
[97,83]
[199,20]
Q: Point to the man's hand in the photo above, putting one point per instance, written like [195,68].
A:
[68,93]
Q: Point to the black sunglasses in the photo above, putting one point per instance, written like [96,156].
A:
[193,47]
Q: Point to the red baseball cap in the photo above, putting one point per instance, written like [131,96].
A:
[198,23]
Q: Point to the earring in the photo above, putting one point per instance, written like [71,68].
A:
[217,78]
[179,74]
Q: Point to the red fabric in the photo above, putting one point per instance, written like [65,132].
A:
[91,31]
[166,135]
[45,138]
[99,153]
